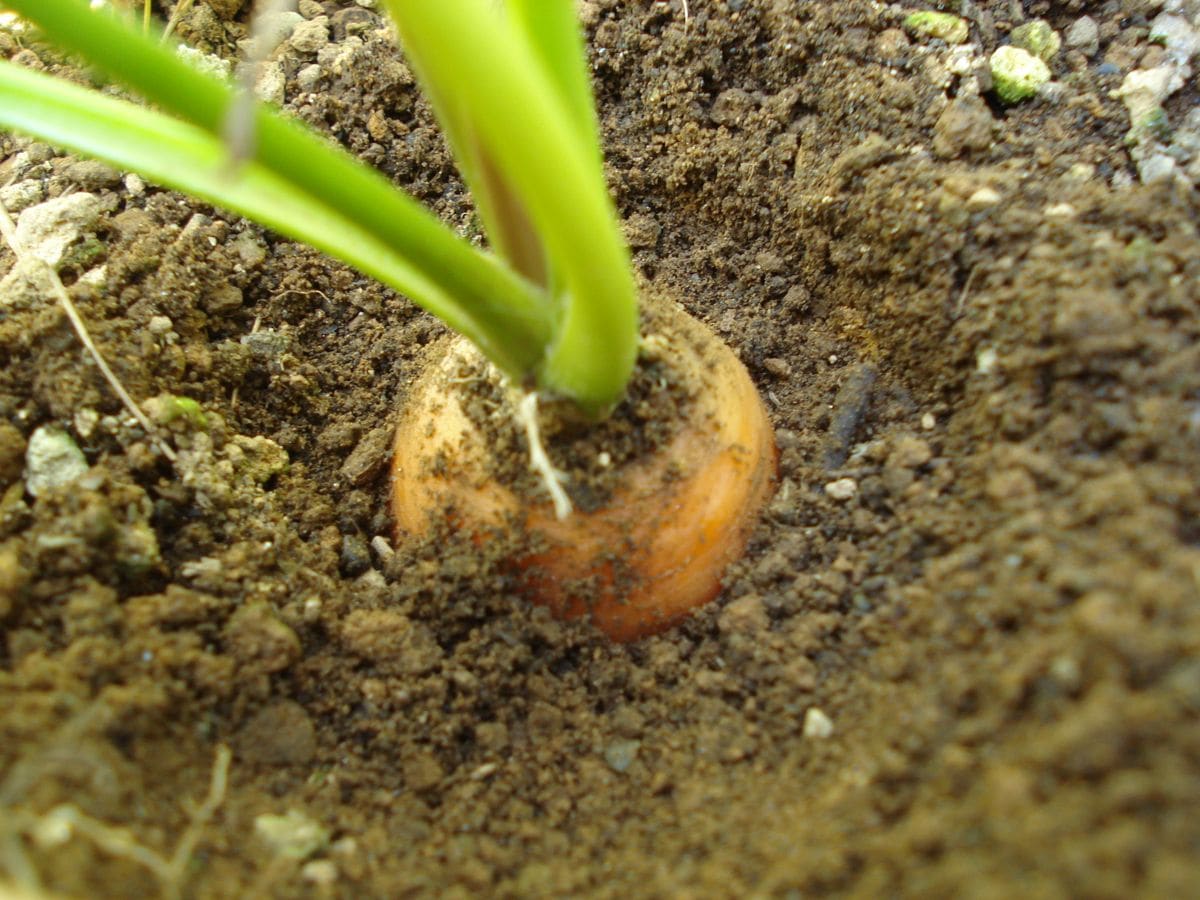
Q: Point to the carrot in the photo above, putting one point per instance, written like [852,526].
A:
[657,549]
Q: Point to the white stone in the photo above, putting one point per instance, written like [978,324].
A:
[274,29]
[1059,211]
[46,231]
[1084,36]
[817,725]
[1156,168]
[271,83]
[1144,90]
[308,77]
[52,460]
[985,361]
[982,199]
[22,195]
[841,490]
[309,37]
[206,63]
[1177,35]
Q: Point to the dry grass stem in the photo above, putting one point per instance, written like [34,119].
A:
[9,230]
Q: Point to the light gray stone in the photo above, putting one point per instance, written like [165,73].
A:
[52,460]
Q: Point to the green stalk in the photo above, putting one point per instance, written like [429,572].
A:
[510,320]
[189,159]
[512,89]
[526,117]
[552,32]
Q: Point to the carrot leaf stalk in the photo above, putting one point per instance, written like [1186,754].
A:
[554,307]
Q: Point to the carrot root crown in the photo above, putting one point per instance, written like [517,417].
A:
[658,547]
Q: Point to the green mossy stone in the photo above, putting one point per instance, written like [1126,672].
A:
[943,26]
[1017,74]
[167,408]
[1038,38]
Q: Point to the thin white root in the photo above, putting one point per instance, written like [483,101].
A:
[62,822]
[9,229]
[539,461]
[218,782]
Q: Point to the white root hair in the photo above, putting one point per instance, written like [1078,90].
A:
[539,461]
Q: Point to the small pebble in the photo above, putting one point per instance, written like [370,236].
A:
[1144,90]
[423,771]
[90,175]
[841,490]
[1178,35]
[910,452]
[369,457]
[1081,171]
[311,36]
[48,229]
[892,44]
[1017,74]
[1084,36]
[271,83]
[938,25]
[308,77]
[1156,168]
[383,549]
[731,107]
[1038,38]
[249,251]
[259,640]
[817,725]
[224,299]
[266,343]
[292,835]
[159,325]
[745,615]
[642,231]
[52,460]
[281,734]
[982,199]
[321,872]
[985,361]
[22,195]
[777,367]
[205,62]
[275,28]
[966,124]
[620,755]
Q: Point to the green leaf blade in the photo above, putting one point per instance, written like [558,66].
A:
[481,66]
[187,158]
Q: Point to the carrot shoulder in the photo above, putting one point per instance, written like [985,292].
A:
[659,546]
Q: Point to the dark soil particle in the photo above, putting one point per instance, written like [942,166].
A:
[959,660]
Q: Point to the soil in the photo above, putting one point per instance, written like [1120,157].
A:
[960,658]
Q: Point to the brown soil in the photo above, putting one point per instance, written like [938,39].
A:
[1000,624]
